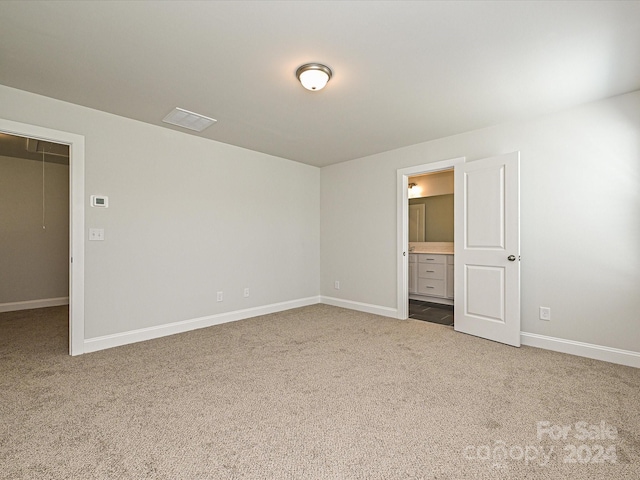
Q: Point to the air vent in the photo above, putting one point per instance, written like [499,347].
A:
[186,119]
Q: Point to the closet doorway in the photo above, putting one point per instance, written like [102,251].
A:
[55,145]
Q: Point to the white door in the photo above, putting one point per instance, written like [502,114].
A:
[487,248]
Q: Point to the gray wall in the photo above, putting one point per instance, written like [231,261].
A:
[580,211]
[190,216]
[187,217]
[34,262]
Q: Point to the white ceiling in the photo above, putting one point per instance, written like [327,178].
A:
[404,72]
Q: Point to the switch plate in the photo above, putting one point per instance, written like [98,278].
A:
[246,292]
[545,313]
[96,234]
[219,297]
[336,285]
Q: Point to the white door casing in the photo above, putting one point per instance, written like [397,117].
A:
[487,248]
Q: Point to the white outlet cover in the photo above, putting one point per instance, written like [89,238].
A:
[545,313]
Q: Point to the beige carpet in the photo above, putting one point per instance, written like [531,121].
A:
[312,393]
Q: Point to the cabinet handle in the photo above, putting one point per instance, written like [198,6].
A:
[431,271]
[429,286]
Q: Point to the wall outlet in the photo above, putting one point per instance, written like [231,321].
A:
[220,296]
[336,284]
[545,313]
[246,292]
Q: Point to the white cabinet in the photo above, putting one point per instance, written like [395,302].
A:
[413,273]
[431,275]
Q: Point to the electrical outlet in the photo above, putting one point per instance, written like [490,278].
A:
[545,313]
[246,292]
[219,296]
[336,285]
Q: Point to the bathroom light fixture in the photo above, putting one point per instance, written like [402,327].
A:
[414,190]
[313,76]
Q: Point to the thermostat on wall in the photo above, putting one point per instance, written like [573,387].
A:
[99,201]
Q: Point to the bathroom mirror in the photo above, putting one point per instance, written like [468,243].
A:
[437,224]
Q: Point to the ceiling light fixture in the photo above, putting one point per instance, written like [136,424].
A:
[313,76]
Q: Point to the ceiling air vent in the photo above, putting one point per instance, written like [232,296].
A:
[186,119]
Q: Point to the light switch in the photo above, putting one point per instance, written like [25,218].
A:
[96,234]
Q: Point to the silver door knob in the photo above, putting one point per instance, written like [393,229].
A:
[511,258]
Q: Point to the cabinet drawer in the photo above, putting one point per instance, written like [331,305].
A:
[428,258]
[428,286]
[431,270]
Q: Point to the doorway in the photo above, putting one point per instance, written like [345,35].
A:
[75,144]
[431,240]
[411,269]
[34,189]
[487,245]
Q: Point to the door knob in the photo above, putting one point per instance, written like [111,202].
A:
[511,258]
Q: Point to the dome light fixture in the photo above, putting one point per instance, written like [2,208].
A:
[313,76]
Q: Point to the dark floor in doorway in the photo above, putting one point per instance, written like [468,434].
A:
[431,312]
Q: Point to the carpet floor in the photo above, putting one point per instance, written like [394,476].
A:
[317,392]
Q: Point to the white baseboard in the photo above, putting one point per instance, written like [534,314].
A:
[133,336]
[597,352]
[361,307]
[29,304]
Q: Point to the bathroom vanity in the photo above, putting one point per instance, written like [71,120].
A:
[431,277]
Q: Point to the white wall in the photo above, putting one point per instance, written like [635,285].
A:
[187,217]
[34,263]
[580,219]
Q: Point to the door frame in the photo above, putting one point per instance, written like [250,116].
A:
[403,175]
[76,219]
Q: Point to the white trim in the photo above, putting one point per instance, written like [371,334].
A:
[597,352]
[402,217]
[143,334]
[76,220]
[361,307]
[29,304]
